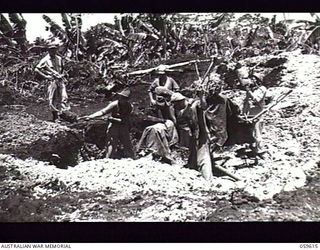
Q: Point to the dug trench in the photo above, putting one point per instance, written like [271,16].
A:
[27,134]
[283,186]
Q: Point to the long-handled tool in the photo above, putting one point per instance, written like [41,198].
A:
[55,74]
[279,99]
[223,170]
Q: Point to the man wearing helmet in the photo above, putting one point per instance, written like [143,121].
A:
[190,116]
[117,133]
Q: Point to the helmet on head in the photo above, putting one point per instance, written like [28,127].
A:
[54,44]
[125,93]
[161,69]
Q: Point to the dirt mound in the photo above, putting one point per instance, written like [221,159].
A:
[25,136]
[167,188]
[6,96]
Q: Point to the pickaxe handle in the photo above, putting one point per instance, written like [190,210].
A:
[280,98]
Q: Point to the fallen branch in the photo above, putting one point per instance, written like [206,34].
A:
[167,67]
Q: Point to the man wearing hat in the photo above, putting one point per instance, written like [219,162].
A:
[51,68]
[118,130]
[253,104]
[160,92]
[190,117]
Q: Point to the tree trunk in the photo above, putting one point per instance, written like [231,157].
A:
[77,44]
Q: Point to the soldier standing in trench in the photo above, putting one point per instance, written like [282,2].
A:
[218,114]
[51,68]
[253,104]
[118,130]
[160,92]
[190,116]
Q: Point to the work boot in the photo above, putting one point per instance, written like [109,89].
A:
[261,154]
[166,160]
[187,165]
[54,116]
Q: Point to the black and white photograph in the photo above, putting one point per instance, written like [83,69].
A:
[159,117]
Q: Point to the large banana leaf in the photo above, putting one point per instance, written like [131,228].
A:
[217,22]
[65,21]
[73,28]
[69,29]
[314,35]
[18,21]
[76,21]
[56,30]
[5,26]
[109,25]
[19,29]
[115,43]
[6,40]
[147,27]
[113,32]
[140,36]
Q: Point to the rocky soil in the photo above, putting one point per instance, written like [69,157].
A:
[26,136]
[283,186]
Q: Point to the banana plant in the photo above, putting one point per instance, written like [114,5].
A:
[13,31]
[70,34]
[139,38]
[314,35]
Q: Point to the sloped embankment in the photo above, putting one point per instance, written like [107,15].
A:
[291,131]
[26,136]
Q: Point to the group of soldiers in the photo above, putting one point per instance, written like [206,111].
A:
[201,122]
